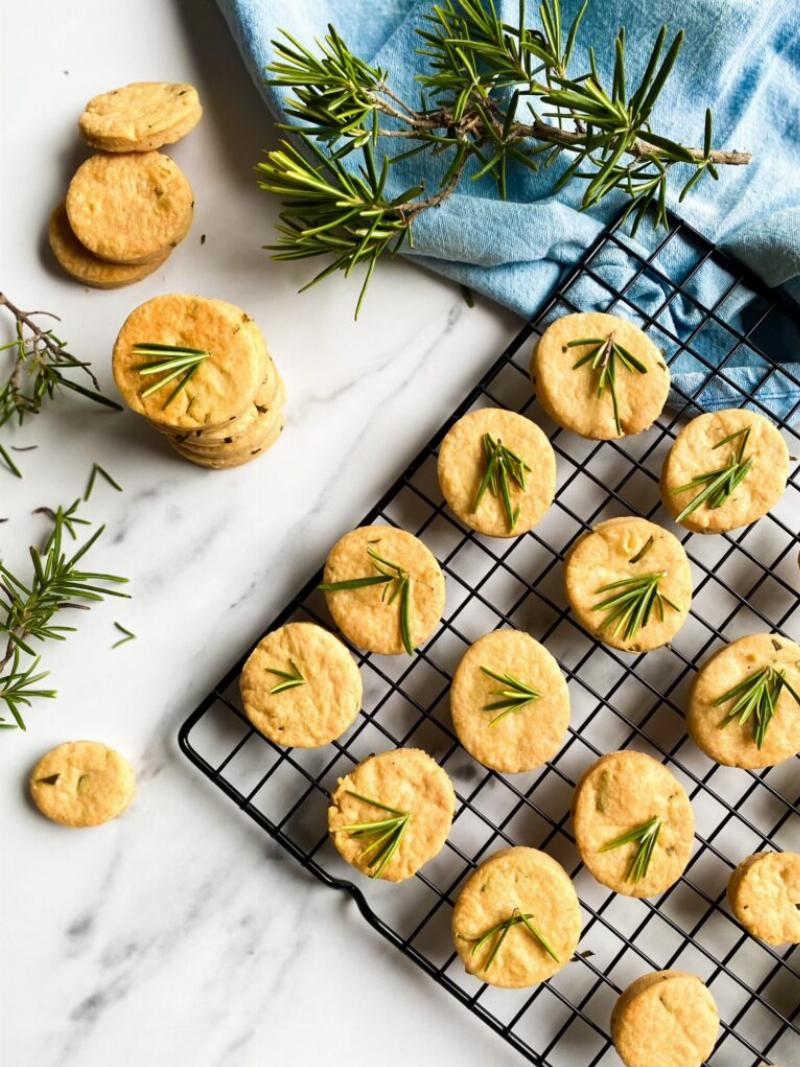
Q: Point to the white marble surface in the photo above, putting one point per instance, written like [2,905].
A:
[178,934]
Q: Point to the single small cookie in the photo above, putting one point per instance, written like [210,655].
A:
[629,583]
[725,469]
[130,208]
[141,116]
[509,702]
[224,385]
[300,686]
[497,472]
[82,783]
[517,921]
[764,892]
[665,1019]
[384,589]
[744,706]
[392,813]
[79,262]
[583,361]
[633,822]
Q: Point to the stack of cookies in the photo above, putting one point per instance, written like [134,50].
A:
[128,205]
[199,371]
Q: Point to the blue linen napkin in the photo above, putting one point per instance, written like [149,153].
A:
[741,58]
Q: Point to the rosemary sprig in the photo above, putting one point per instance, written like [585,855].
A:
[97,469]
[386,834]
[513,698]
[646,835]
[128,635]
[603,356]
[497,934]
[397,583]
[632,602]
[173,361]
[18,688]
[755,700]
[717,485]
[290,679]
[502,467]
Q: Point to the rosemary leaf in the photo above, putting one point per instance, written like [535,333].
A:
[717,485]
[128,635]
[290,679]
[97,469]
[514,698]
[502,467]
[174,361]
[631,605]
[497,935]
[646,836]
[386,834]
[755,700]
[603,357]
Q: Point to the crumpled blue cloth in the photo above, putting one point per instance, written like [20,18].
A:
[741,58]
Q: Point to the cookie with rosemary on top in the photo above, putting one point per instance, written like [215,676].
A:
[599,375]
[141,116]
[764,893]
[665,1019]
[82,783]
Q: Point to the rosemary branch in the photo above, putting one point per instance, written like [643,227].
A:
[502,467]
[386,834]
[497,934]
[755,700]
[646,837]
[171,362]
[514,697]
[632,602]
[604,356]
[717,485]
[397,586]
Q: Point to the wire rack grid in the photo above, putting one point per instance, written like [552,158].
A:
[745,582]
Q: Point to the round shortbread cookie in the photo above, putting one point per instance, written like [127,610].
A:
[623,792]
[141,116]
[265,399]
[230,460]
[764,893]
[130,208]
[318,709]
[569,394]
[82,783]
[704,446]
[525,735]
[84,267]
[421,802]
[224,385]
[621,551]
[665,1019]
[371,616]
[512,884]
[464,459]
[261,429]
[736,744]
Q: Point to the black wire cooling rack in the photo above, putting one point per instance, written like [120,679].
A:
[706,312]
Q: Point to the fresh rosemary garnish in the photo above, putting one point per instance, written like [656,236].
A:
[717,485]
[128,635]
[97,469]
[18,688]
[9,462]
[502,467]
[386,834]
[173,361]
[642,551]
[500,932]
[290,680]
[646,835]
[755,700]
[516,696]
[397,582]
[603,356]
[632,603]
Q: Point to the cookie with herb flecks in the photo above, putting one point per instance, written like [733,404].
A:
[764,892]
[599,375]
[265,400]
[82,783]
[141,116]
[258,435]
[665,1019]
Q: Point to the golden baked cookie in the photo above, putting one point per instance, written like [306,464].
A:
[629,583]
[400,605]
[271,393]
[509,702]
[224,385]
[633,822]
[229,460]
[491,452]
[571,367]
[87,268]
[129,208]
[141,116]
[392,813]
[517,920]
[82,783]
[300,686]
[733,450]
[764,893]
[744,706]
[665,1019]
[261,429]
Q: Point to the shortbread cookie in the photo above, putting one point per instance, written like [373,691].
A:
[130,208]
[572,394]
[300,686]
[517,921]
[87,268]
[764,893]
[82,783]
[719,699]
[489,452]
[260,430]
[224,385]
[496,717]
[721,450]
[665,1019]
[629,583]
[631,795]
[372,615]
[141,116]
[228,461]
[392,813]
[271,393]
